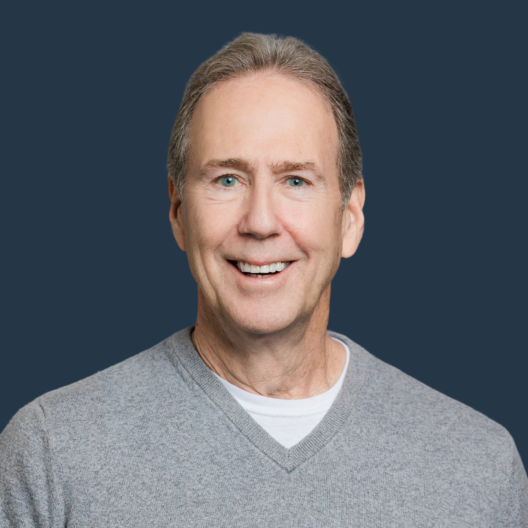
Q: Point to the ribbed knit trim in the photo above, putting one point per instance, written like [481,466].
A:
[183,350]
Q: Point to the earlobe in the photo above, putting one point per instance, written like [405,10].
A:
[175,215]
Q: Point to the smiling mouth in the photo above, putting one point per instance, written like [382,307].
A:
[260,272]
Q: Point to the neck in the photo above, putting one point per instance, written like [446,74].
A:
[297,362]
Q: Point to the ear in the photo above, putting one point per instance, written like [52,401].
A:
[353,220]
[175,215]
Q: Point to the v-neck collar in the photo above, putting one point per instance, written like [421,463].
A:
[183,350]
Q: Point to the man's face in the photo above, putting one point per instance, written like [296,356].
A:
[262,190]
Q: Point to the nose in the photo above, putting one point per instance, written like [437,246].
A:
[260,219]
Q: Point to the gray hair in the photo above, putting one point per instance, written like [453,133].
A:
[252,52]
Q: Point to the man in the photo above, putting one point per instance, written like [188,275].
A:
[257,415]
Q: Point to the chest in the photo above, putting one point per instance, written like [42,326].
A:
[216,477]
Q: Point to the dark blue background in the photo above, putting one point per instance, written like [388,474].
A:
[91,274]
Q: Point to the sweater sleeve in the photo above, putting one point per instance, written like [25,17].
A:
[28,494]
[513,507]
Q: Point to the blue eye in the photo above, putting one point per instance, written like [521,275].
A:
[228,181]
[295,182]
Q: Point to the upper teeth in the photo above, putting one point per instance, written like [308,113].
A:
[267,268]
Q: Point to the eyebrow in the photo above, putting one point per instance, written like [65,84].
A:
[245,166]
[230,163]
[287,166]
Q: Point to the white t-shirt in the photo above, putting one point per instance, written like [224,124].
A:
[288,421]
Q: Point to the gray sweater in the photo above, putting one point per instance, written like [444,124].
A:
[157,441]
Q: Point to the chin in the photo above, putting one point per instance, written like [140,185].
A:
[266,321]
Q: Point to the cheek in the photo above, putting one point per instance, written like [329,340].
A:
[315,229]
[208,227]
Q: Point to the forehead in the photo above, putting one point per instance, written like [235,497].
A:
[264,117]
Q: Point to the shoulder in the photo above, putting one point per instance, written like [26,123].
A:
[428,423]
[131,387]
[409,402]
